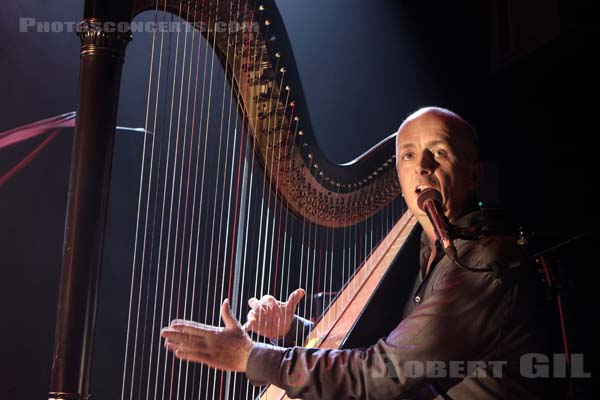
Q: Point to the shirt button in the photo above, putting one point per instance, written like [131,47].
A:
[417,299]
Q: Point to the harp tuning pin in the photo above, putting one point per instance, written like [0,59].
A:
[282,70]
[300,133]
[309,155]
[287,87]
[320,173]
[277,55]
[261,8]
[297,119]
[267,22]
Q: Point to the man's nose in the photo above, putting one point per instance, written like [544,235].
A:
[426,164]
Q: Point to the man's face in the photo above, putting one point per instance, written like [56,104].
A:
[436,151]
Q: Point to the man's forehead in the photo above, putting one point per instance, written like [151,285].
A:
[438,134]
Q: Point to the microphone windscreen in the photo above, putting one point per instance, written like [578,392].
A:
[428,194]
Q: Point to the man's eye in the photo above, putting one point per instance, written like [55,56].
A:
[407,156]
[440,153]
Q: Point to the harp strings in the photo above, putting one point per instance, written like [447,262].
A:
[140,207]
[269,278]
[208,224]
[192,275]
[237,211]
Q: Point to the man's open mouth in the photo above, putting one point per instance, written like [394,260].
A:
[421,188]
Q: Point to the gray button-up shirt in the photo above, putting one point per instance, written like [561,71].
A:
[462,335]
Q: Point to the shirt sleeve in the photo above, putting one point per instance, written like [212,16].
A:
[462,320]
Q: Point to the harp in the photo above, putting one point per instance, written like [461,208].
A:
[304,204]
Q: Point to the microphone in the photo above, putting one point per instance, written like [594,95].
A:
[430,202]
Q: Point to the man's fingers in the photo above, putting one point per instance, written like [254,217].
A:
[182,337]
[195,328]
[269,300]
[257,311]
[250,321]
[253,302]
[249,325]
[190,324]
[295,298]
[270,307]
[183,355]
[174,346]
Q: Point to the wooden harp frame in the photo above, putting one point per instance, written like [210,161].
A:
[311,187]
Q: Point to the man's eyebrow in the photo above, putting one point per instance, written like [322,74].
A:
[436,142]
[407,145]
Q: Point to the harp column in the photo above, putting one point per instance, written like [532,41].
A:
[102,55]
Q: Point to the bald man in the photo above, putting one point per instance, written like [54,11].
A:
[464,331]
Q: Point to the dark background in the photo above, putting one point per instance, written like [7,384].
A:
[525,74]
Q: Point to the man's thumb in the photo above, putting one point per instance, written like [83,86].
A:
[295,297]
[228,318]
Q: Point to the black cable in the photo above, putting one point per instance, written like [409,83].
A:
[452,255]
[562,244]
[494,267]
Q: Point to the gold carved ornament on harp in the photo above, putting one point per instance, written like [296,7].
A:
[236,200]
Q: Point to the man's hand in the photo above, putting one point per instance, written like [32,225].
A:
[270,317]
[223,348]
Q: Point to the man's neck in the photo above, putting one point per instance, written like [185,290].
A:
[428,229]
[431,257]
